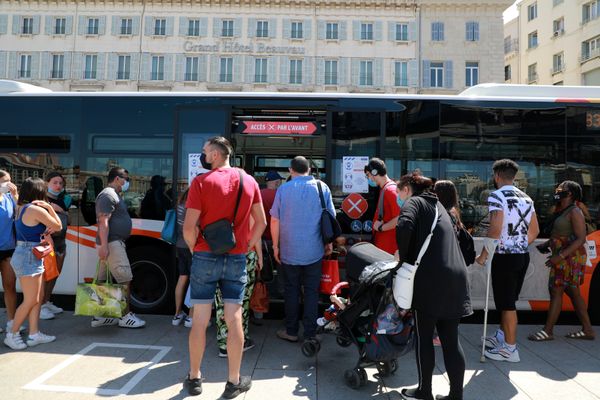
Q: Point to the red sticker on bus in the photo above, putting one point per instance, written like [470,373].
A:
[354,205]
[279,128]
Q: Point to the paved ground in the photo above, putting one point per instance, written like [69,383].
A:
[150,363]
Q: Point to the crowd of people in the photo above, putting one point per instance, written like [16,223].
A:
[224,221]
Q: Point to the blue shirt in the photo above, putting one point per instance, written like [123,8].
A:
[297,206]
[7,230]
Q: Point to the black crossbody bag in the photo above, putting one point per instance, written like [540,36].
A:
[220,235]
[330,228]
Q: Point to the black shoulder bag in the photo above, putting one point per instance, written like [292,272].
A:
[330,228]
[220,234]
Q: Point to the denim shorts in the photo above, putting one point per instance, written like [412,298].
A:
[24,263]
[208,270]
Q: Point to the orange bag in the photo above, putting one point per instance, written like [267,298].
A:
[330,276]
[50,267]
[259,301]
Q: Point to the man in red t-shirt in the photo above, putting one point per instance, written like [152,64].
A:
[384,224]
[213,197]
[273,180]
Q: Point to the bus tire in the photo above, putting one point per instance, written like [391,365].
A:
[153,284]
[594,297]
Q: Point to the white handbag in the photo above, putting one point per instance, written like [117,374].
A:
[404,280]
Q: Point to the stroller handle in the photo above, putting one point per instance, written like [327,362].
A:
[338,287]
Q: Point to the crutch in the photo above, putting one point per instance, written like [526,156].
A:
[490,245]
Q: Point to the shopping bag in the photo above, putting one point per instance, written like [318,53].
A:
[330,276]
[50,267]
[259,301]
[101,299]
[169,230]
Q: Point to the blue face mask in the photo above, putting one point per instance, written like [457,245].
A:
[125,187]
[400,201]
[372,183]
[54,193]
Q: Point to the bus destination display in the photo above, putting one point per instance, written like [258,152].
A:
[283,128]
[592,120]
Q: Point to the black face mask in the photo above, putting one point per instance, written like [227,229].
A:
[205,164]
[561,195]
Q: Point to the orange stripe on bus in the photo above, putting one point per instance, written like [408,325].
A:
[144,232]
[84,230]
[80,240]
[584,289]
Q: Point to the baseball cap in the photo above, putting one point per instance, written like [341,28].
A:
[273,176]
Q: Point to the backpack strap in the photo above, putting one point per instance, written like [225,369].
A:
[381,198]
[239,195]
[323,208]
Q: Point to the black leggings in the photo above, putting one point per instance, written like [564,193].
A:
[454,358]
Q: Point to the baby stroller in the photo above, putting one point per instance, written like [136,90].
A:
[369,318]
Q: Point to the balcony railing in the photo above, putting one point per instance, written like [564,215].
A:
[24,73]
[557,69]
[190,76]
[510,46]
[57,74]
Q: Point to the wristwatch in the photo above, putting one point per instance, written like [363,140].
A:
[380,229]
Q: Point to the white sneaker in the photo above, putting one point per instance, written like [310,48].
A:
[503,353]
[176,321]
[100,321]
[131,321]
[9,325]
[14,341]
[52,308]
[39,338]
[494,341]
[188,322]
[45,313]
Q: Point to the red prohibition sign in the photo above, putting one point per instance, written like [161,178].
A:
[354,205]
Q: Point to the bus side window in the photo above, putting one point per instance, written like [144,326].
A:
[93,186]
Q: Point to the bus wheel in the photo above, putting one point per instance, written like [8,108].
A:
[152,285]
[594,297]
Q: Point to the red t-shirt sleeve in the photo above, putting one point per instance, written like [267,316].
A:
[390,205]
[193,200]
[257,197]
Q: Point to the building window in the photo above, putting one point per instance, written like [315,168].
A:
[60,26]
[400,73]
[260,70]
[193,27]
[227,28]
[27,27]
[160,27]
[590,11]
[25,67]
[126,26]
[331,72]
[436,75]
[471,73]
[58,65]
[532,73]
[507,44]
[590,49]
[556,2]
[226,71]
[402,32]
[192,66]
[532,40]
[262,29]
[124,68]
[91,66]
[92,26]
[366,73]
[532,11]
[437,31]
[507,73]
[297,32]
[158,68]
[331,31]
[296,71]
[472,31]
[366,31]
[557,63]
[558,26]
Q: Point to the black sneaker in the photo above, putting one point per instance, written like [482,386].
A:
[415,394]
[193,386]
[232,391]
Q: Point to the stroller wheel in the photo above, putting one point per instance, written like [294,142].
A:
[387,368]
[352,378]
[343,341]
[363,376]
[311,347]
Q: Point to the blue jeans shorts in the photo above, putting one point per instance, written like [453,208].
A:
[24,263]
[208,270]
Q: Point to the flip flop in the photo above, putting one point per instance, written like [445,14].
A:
[540,336]
[579,335]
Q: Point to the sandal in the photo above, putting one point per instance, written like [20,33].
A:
[579,335]
[540,336]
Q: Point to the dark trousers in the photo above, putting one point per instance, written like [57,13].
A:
[454,358]
[309,278]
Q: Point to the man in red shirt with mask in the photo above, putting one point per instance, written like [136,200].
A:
[386,218]
[213,197]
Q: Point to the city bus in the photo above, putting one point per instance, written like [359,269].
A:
[552,132]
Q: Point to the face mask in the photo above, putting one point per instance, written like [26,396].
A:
[54,193]
[372,183]
[4,188]
[205,164]
[400,201]
[125,187]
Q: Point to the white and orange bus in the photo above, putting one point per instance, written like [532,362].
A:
[552,132]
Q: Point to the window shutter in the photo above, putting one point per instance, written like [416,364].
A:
[3,24]
[252,27]
[202,68]
[145,66]
[378,72]
[378,33]
[183,26]
[284,70]
[468,31]
[426,73]
[12,65]
[217,27]
[36,25]
[321,30]
[343,30]
[69,25]
[101,67]
[135,66]
[169,29]
[441,29]
[214,68]
[47,25]
[3,64]
[113,66]
[249,67]
[356,30]
[413,73]
[391,31]
[180,63]
[16,24]
[287,28]
[320,79]
[307,66]
[67,64]
[448,74]
[476,26]
[203,27]
[272,28]
[101,25]
[115,27]
[238,65]
[412,31]
[148,26]
[272,69]
[77,72]
[355,71]
[343,71]
[46,65]
[169,66]
[237,27]
[307,29]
